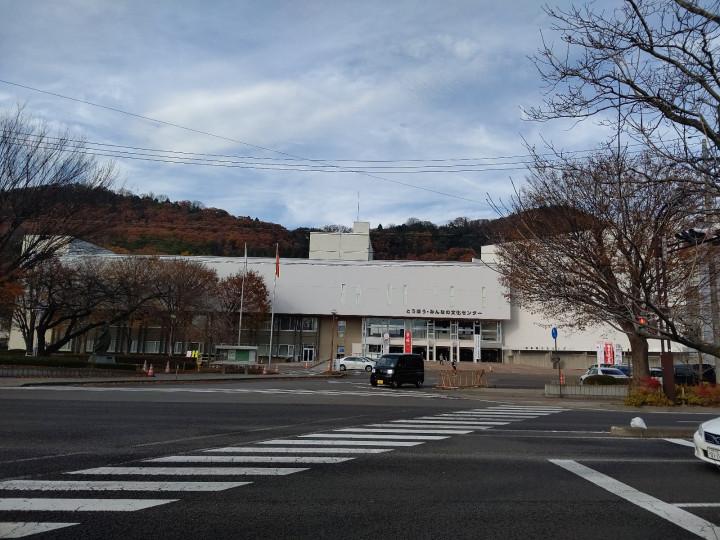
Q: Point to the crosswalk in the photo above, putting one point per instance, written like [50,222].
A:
[274,457]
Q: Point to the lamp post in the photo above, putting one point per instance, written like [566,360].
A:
[332,342]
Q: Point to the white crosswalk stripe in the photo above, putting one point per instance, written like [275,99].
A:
[383,428]
[193,471]
[345,442]
[375,436]
[295,450]
[80,505]
[106,485]
[20,529]
[249,459]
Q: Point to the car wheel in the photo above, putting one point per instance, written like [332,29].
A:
[419,383]
[368,368]
[342,367]
[394,384]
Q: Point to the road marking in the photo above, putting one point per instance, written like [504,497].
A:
[334,450]
[433,426]
[467,422]
[667,511]
[682,442]
[382,429]
[80,505]
[249,459]
[193,471]
[341,442]
[108,485]
[19,529]
[698,505]
[371,436]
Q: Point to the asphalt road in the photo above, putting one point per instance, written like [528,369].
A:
[442,465]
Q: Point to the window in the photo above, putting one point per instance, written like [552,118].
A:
[342,293]
[442,329]
[466,330]
[490,331]
[152,347]
[287,323]
[389,294]
[286,351]
[357,294]
[89,345]
[419,328]
[405,292]
[483,299]
[452,296]
[309,324]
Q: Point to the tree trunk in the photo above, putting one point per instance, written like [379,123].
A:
[639,355]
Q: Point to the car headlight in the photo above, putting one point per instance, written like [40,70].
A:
[390,371]
[701,432]
[373,370]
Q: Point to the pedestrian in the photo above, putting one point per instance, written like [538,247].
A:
[442,359]
[454,366]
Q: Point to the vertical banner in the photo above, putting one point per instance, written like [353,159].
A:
[386,343]
[618,353]
[609,352]
[477,353]
[600,352]
[408,342]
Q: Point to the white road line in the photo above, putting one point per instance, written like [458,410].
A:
[434,427]
[435,420]
[488,415]
[108,485]
[277,450]
[80,505]
[682,442]
[19,529]
[344,442]
[194,471]
[370,436]
[670,512]
[249,459]
[380,428]
[698,505]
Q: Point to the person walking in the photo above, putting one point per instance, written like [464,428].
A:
[454,366]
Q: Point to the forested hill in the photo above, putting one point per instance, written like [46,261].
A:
[154,225]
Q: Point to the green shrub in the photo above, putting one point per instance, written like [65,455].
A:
[644,396]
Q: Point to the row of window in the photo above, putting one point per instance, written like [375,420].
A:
[436,329]
[397,292]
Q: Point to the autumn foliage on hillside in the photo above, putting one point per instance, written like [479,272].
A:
[149,224]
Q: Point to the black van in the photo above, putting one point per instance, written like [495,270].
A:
[397,369]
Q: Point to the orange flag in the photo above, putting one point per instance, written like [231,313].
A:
[277,260]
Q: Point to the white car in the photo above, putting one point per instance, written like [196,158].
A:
[613,372]
[707,441]
[354,362]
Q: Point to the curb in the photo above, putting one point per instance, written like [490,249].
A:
[653,433]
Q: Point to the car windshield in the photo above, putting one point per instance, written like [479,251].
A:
[387,361]
[608,371]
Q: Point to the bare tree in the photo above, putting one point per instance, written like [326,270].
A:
[589,242]
[648,66]
[43,180]
[185,289]
[68,300]
[253,291]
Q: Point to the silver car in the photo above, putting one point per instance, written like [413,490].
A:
[604,371]
[355,362]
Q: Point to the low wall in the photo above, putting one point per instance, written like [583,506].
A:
[589,391]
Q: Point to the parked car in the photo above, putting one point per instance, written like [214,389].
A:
[707,441]
[396,369]
[656,373]
[627,370]
[613,372]
[354,362]
[690,374]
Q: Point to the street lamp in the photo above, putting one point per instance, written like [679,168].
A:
[332,342]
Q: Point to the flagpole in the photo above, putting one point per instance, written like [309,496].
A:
[242,298]
[272,305]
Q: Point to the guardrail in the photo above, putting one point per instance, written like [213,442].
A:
[58,372]
[461,379]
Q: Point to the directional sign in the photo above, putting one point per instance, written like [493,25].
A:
[554,333]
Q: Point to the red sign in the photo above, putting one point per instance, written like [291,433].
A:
[408,342]
[609,353]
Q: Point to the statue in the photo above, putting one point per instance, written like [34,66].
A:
[102,345]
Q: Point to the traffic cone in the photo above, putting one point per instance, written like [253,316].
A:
[562,378]
[277,370]
[264,370]
[145,367]
[490,369]
[305,364]
[151,371]
[167,368]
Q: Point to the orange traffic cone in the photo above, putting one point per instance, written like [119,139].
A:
[490,369]
[145,367]
[151,372]
[562,378]
[264,370]
[167,368]
[305,364]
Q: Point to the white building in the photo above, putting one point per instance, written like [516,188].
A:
[342,305]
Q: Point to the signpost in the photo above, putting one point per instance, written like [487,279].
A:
[556,359]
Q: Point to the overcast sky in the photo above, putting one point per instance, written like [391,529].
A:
[271,104]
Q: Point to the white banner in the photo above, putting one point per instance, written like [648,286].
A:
[477,356]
